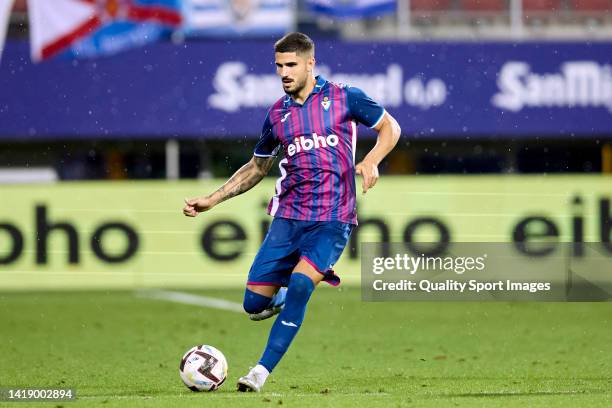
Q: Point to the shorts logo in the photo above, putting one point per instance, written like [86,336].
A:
[301,143]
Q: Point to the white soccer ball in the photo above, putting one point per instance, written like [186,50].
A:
[203,368]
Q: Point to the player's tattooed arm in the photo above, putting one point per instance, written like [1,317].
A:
[241,181]
[245,178]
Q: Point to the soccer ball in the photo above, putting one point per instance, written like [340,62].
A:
[203,368]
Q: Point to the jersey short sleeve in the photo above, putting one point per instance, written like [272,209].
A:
[267,145]
[363,108]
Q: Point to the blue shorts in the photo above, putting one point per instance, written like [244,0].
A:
[320,243]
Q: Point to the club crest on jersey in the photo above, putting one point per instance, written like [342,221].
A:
[302,143]
[326,103]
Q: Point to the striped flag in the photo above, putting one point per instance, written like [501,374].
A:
[5,14]
[92,28]
[345,9]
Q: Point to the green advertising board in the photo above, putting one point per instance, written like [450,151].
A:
[129,235]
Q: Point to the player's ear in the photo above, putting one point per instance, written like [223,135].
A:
[310,62]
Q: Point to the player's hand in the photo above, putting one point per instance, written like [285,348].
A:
[369,172]
[194,206]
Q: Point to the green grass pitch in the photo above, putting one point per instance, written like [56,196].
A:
[120,350]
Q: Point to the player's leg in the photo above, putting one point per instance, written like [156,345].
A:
[264,294]
[258,298]
[320,247]
[263,302]
[302,283]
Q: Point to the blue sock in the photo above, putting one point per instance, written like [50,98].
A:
[254,302]
[288,321]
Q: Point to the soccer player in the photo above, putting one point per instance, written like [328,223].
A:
[314,210]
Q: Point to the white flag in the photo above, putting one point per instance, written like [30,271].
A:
[92,28]
[56,24]
[5,13]
[347,9]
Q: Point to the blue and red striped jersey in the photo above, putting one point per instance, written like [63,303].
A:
[318,138]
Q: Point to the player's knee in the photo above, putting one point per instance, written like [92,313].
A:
[254,302]
[301,284]
[252,307]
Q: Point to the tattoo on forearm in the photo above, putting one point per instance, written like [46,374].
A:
[246,177]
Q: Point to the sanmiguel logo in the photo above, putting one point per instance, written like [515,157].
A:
[582,84]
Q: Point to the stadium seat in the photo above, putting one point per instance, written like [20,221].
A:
[20,6]
[591,6]
[541,6]
[429,6]
[484,6]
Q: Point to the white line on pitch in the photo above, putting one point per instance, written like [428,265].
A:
[191,299]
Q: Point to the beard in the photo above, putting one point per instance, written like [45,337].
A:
[296,87]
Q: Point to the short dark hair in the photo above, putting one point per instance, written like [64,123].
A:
[295,42]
